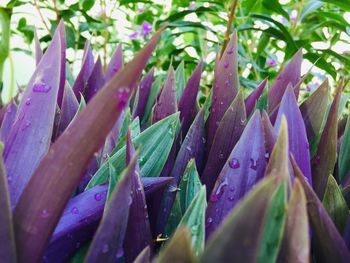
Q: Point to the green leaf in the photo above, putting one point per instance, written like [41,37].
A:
[155,144]
[274,226]
[180,79]
[335,204]
[114,178]
[194,220]
[344,153]
[156,86]
[340,3]
[87,4]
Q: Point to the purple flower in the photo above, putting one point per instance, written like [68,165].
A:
[271,62]
[134,35]
[192,5]
[293,15]
[308,88]
[140,10]
[146,28]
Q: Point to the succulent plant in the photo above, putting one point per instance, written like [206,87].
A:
[130,169]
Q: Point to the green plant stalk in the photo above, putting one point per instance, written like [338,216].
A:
[5,18]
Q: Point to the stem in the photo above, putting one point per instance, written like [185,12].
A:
[42,17]
[56,11]
[5,19]
[229,24]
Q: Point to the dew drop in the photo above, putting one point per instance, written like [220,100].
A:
[188,148]
[120,252]
[45,214]
[226,64]
[26,125]
[203,140]
[231,198]
[122,96]
[28,101]
[253,164]
[209,220]
[41,87]
[219,191]
[98,197]
[230,51]
[75,210]
[234,163]
[221,156]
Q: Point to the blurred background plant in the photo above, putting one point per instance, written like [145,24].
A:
[270,32]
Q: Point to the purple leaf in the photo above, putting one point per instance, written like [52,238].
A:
[329,244]
[166,103]
[226,85]
[82,215]
[95,81]
[30,136]
[38,51]
[187,103]
[107,243]
[8,120]
[326,156]
[144,90]
[69,108]
[290,74]
[85,71]
[269,134]
[313,110]
[227,135]
[58,174]
[192,147]
[115,64]
[7,238]
[62,32]
[298,142]
[251,100]
[243,169]
[138,221]
[144,256]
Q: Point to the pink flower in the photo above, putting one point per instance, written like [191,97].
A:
[271,62]
[146,28]
[134,35]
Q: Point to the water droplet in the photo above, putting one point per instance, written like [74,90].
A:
[129,200]
[221,102]
[105,248]
[317,159]
[230,51]
[219,191]
[9,178]
[234,163]
[45,214]
[227,82]
[226,64]
[231,198]
[213,110]
[253,164]
[41,88]
[28,101]
[98,197]
[122,96]
[188,148]
[221,156]
[242,121]
[26,125]
[232,189]
[204,140]
[75,210]
[209,221]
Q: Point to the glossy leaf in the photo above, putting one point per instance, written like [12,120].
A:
[333,201]
[107,243]
[290,74]
[194,220]
[252,99]
[30,136]
[55,178]
[115,64]
[313,110]
[7,238]
[192,147]
[156,143]
[240,234]
[324,161]
[227,135]
[298,143]
[329,243]
[295,247]
[226,86]
[344,153]
[188,100]
[243,169]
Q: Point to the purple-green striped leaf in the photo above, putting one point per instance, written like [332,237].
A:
[298,143]
[227,135]
[58,174]
[326,156]
[192,147]
[252,99]
[30,136]
[290,74]
[269,134]
[329,244]
[69,108]
[243,169]
[240,234]
[188,99]
[226,86]
[144,90]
